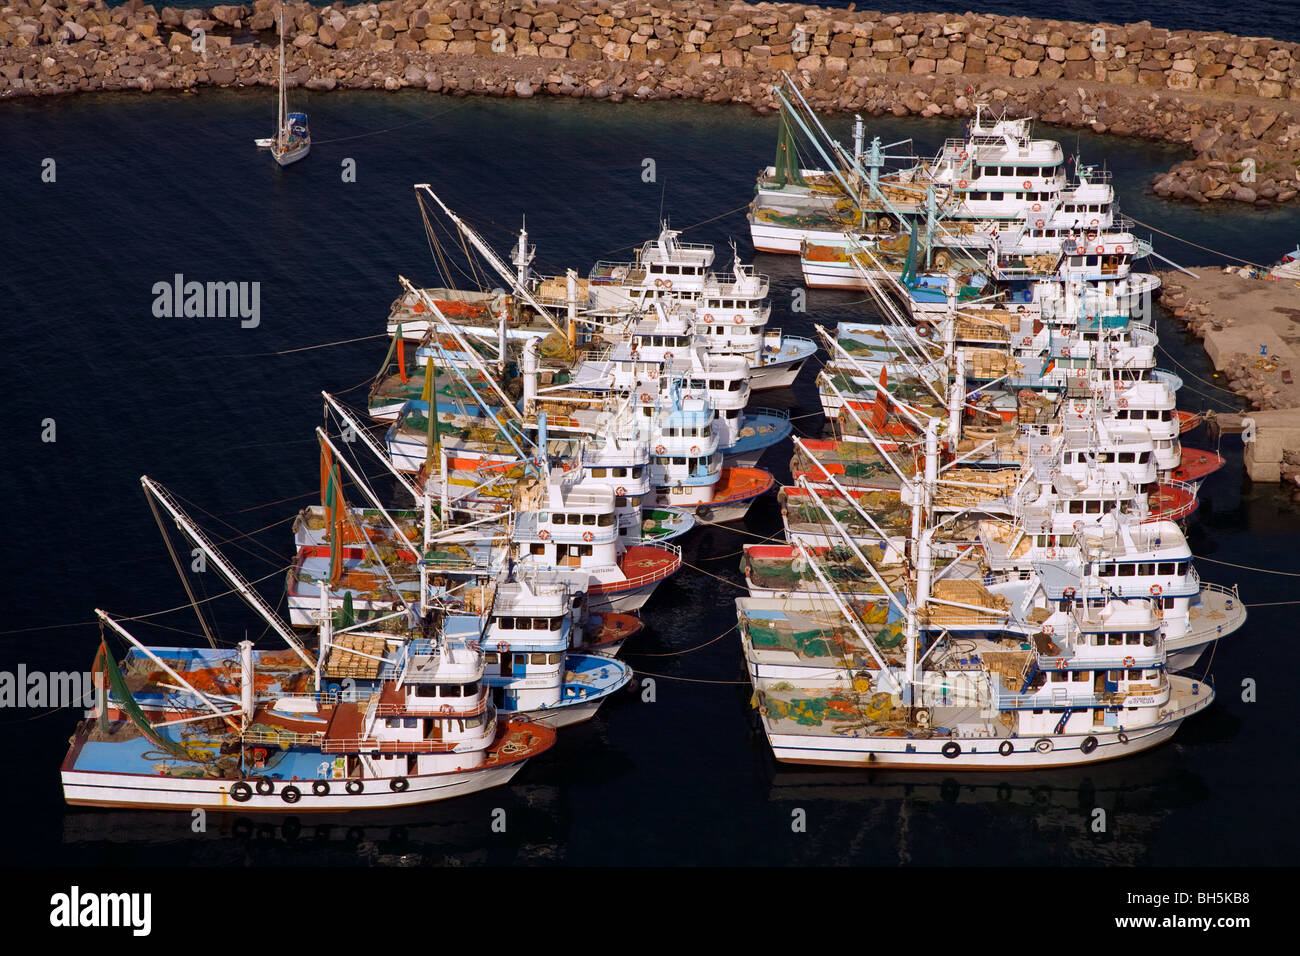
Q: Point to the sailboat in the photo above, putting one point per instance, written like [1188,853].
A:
[292,140]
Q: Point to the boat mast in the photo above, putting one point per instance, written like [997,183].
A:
[279,126]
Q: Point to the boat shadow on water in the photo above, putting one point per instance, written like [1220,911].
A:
[515,824]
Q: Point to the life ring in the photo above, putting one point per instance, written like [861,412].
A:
[1129,662]
[1038,224]
[962,184]
[291,794]
[1020,310]
[320,788]
[241,792]
[1079,408]
[1093,223]
[1122,738]
[923,329]
[1065,351]
[1027,184]
[1043,745]
[1050,553]
[1049,630]
[265,786]
[709,319]
[1061,663]
[1006,748]
[620,491]
[1123,403]
[1068,594]
[695,449]
[668,284]
[544,535]
[668,356]
[445,710]
[1099,250]
[399,785]
[659,283]
[660,449]
[1044,449]
[474,646]
[1156,590]
[922,717]
[588,536]
[354,786]
[1026,341]
[963,155]
[1037,207]
[737,319]
[646,398]
[951,750]
[1089,744]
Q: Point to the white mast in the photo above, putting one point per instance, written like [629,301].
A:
[279,126]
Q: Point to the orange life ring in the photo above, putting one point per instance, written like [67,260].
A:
[1079,408]
[1038,224]
[1048,629]
[1156,590]
[1123,403]
[620,491]
[503,647]
[708,318]
[1129,662]
[1037,207]
[962,184]
[737,319]
[544,535]
[659,283]
[695,449]
[1068,594]
[1061,663]
[1051,553]
[668,356]
[963,155]
[1026,341]
[1094,222]
[445,709]
[1065,351]
[660,449]
[1099,250]
[646,398]
[588,536]
[1027,184]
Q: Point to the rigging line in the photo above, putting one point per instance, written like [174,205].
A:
[691,680]
[712,575]
[702,222]
[728,527]
[180,571]
[1194,375]
[139,617]
[275,555]
[1247,567]
[1270,604]
[689,649]
[380,132]
[1194,245]
[305,348]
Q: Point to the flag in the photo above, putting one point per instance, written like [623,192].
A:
[879,409]
[401,353]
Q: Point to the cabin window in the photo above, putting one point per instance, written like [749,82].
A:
[554,658]
[490,657]
[605,520]
[556,623]
[598,472]
[1078,677]
[1146,570]
[584,550]
[1166,568]
[589,519]
[1059,677]
[1126,570]
[506,623]
[537,549]
[538,659]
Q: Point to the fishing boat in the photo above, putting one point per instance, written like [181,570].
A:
[1288,267]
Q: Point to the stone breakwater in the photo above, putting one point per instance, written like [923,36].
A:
[1235,101]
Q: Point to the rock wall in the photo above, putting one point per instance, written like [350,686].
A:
[1234,100]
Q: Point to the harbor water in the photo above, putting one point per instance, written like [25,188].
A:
[221,411]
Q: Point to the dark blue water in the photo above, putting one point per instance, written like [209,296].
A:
[152,186]
[1279,19]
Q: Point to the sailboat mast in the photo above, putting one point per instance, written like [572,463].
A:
[279,126]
